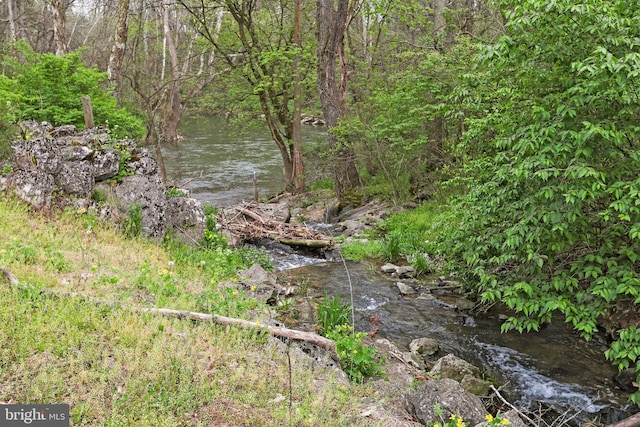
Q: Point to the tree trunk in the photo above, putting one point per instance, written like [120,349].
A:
[332,25]
[12,23]
[298,164]
[438,17]
[467,17]
[59,8]
[119,44]
[173,110]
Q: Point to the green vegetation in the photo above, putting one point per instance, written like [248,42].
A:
[117,367]
[457,421]
[46,87]
[356,359]
[132,224]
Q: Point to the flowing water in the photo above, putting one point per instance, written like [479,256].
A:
[218,161]
[552,366]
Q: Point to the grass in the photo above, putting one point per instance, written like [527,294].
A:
[115,367]
[404,237]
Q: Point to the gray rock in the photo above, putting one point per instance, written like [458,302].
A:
[257,275]
[476,386]
[32,186]
[450,397]
[145,165]
[106,164]
[405,289]
[43,153]
[424,346]
[76,153]
[187,216]
[34,130]
[64,130]
[514,418]
[415,360]
[275,211]
[148,192]
[389,268]
[405,271]
[454,368]
[76,178]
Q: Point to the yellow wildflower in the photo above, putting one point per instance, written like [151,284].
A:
[489,417]
[505,422]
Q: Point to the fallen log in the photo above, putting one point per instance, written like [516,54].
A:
[278,331]
[632,421]
[308,243]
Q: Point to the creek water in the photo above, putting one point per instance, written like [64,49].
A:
[553,367]
[218,161]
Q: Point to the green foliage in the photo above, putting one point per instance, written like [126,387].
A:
[549,223]
[176,192]
[457,421]
[132,224]
[8,131]
[405,236]
[46,87]
[357,360]
[333,312]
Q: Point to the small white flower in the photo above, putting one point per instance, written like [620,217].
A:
[171,263]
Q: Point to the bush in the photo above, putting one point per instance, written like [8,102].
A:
[551,220]
[46,87]
[357,360]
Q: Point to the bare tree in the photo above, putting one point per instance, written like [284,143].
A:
[12,23]
[59,11]
[298,164]
[114,70]
[259,48]
[332,24]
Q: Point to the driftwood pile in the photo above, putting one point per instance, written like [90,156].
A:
[249,221]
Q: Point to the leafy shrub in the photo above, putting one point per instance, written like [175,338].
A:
[551,219]
[332,312]
[357,360]
[46,87]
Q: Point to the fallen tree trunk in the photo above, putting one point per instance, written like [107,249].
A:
[632,421]
[308,243]
[278,331]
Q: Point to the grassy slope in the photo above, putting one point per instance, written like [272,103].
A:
[118,368]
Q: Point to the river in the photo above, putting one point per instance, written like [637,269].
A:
[218,161]
[553,366]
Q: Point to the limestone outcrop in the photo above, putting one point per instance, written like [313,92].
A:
[89,169]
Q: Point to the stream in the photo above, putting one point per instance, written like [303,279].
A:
[554,367]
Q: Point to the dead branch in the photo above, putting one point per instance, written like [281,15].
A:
[519,412]
[248,222]
[632,421]
[277,331]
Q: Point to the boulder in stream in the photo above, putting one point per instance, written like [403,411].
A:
[450,397]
